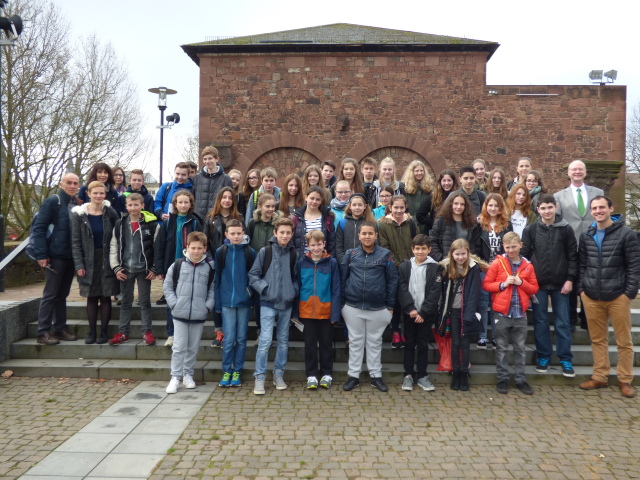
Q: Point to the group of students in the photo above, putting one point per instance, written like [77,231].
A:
[370,250]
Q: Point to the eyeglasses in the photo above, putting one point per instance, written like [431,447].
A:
[531,181]
[343,192]
[385,196]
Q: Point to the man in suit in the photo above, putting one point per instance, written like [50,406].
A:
[573,205]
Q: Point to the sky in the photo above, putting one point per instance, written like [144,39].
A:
[541,43]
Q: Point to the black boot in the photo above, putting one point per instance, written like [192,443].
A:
[455,380]
[91,338]
[464,382]
[103,338]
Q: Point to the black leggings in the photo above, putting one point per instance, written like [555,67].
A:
[92,312]
[460,344]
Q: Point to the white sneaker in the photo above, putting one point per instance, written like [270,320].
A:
[258,389]
[173,385]
[187,381]
[169,342]
[278,381]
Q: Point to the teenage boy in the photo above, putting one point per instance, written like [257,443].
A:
[318,308]
[523,168]
[468,184]
[162,203]
[193,168]
[136,185]
[419,291]
[328,174]
[551,246]
[268,176]
[131,258]
[273,277]
[340,201]
[511,280]
[208,182]
[369,282]
[368,168]
[233,299]
[609,274]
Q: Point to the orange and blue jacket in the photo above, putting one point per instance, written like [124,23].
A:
[320,295]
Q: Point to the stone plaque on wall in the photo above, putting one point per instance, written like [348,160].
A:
[224,150]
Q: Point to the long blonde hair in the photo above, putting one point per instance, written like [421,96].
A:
[452,268]
[411,185]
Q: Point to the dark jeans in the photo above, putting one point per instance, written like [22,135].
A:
[318,332]
[574,314]
[169,322]
[416,334]
[460,344]
[396,318]
[53,305]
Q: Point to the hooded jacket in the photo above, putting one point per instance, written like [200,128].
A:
[433,275]
[615,270]
[471,291]
[319,287]
[252,203]
[58,245]
[398,189]
[277,289]
[165,195]
[192,299]
[214,230]
[165,245]
[553,251]
[82,247]
[347,235]
[397,237]
[498,272]
[146,235]
[369,281]
[148,199]
[232,284]
[260,231]
[444,233]
[206,187]
[300,230]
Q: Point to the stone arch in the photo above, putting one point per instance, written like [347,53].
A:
[286,152]
[402,147]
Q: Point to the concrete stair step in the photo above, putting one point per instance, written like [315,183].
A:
[209,371]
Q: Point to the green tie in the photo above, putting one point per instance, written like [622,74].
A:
[580,203]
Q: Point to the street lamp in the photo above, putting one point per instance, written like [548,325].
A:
[12,28]
[162,93]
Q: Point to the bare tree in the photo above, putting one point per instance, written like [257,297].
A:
[189,146]
[63,109]
[632,176]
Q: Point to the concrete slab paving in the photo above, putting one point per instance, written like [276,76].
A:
[143,443]
[129,409]
[175,410]
[112,425]
[72,464]
[92,442]
[161,426]
[194,397]
[144,397]
[117,465]
[47,477]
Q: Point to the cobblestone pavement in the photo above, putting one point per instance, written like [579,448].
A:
[559,433]
[38,414]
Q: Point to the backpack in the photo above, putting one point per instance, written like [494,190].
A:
[268,256]
[31,247]
[248,257]
[176,273]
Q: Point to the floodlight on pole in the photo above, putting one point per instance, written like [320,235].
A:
[595,76]
[598,76]
[162,93]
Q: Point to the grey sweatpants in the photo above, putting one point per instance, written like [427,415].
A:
[186,340]
[365,331]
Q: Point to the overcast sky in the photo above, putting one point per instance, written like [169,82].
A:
[541,43]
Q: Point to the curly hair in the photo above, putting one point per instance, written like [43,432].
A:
[411,185]
[511,200]
[186,193]
[101,166]
[502,218]
[502,188]
[446,211]
[439,195]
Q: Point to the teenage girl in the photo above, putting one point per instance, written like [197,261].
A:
[417,185]
[349,172]
[314,216]
[385,198]
[291,196]
[461,288]
[224,209]
[455,220]
[340,201]
[119,180]
[536,187]
[356,212]
[171,241]
[388,178]
[494,223]
[498,183]
[311,177]
[447,183]
[251,184]
[236,182]
[519,207]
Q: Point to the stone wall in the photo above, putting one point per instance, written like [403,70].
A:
[287,111]
[22,270]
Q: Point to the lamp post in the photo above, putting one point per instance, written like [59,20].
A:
[12,28]
[162,93]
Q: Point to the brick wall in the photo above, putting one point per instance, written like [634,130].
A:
[288,111]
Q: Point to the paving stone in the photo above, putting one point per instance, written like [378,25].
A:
[92,442]
[73,463]
[118,465]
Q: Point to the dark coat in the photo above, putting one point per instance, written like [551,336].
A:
[112,197]
[82,248]
[165,244]
[616,271]
[300,230]
[57,207]
[148,230]
[443,234]
[432,290]
[214,230]
[553,251]
[206,187]
[471,291]
[483,248]
[148,199]
[347,236]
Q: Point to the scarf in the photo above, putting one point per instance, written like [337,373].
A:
[338,204]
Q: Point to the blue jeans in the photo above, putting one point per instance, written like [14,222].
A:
[235,323]
[561,321]
[267,322]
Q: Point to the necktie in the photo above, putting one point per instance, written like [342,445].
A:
[581,208]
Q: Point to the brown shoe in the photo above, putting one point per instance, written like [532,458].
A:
[47,339]
[627,390]
[592,384]
[65,335]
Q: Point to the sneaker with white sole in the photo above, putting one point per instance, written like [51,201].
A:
[278,380]
[187,381]
[236,381]
[407,383]
[425,384]
[173,385]
[258,388]
[169,342]
[325,382]
[312,383]
[567,369]
[542,366]
[226,380]
[482,344]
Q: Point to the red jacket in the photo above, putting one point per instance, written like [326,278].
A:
[498,272]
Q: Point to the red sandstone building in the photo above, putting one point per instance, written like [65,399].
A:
[293,98]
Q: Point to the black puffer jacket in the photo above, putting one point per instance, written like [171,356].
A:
[165,245]
[206,187]
[214,230]
[553,251]
[471,290]
[616,271]
[443,234]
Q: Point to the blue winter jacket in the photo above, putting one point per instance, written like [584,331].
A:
[59,243]
[369,280]
[165,195]
[232,283]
